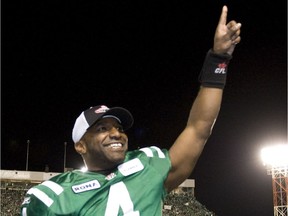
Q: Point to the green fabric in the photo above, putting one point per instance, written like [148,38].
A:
[134,188]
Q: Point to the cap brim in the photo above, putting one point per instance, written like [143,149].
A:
[125,117]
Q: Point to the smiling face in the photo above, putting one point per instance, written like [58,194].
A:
[104,145]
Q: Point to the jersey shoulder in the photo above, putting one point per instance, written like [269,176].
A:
[41,199]
[149,152]
[152,158]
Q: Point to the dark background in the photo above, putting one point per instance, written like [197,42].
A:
[61,57]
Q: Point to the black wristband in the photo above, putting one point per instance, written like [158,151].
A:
[214,70]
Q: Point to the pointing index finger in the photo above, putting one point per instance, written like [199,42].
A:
[223,17]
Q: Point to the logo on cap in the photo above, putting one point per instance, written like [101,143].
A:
[102,109]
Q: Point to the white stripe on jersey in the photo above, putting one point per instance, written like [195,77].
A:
[53,186]
[41,196]
[149,152]
[24,212]
[160,153]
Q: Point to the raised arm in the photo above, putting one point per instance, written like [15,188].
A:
[187,148]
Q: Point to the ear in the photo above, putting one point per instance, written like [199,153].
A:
[80,147]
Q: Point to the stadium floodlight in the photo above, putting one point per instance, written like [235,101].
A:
[275,158]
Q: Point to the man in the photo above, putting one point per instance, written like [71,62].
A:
[135,183]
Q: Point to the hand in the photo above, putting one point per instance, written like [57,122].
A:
[226,35]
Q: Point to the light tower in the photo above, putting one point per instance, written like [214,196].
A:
[275,158]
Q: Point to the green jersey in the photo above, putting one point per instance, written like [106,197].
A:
[135,188]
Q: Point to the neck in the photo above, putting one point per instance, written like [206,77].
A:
[103,172]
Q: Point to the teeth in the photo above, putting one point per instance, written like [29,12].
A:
[115,145]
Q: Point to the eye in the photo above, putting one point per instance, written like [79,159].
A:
[101,129]
[120,128]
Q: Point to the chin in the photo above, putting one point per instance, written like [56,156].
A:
[119,160]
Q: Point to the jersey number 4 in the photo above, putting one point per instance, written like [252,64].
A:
[119,198]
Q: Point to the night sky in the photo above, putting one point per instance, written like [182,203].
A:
[61,57]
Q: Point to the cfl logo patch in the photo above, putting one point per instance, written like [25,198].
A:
[221,69]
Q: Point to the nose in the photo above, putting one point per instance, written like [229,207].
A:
[114,132]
